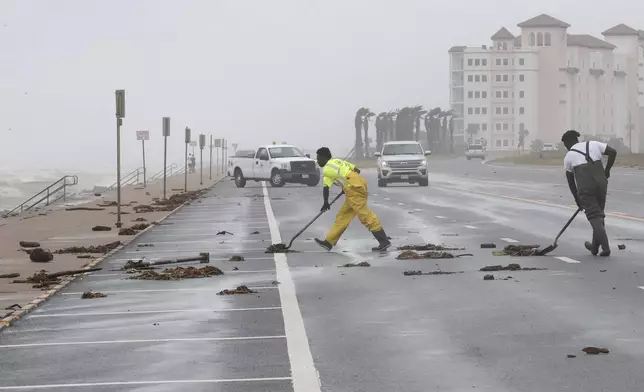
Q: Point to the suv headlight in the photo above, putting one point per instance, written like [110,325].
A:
[423,163]
[384,164]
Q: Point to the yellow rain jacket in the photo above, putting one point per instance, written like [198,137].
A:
[354,186]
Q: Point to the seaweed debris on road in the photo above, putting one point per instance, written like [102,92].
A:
[426,247]
[361,264]
[418,272]
[179,273]
[91,249]
[239,290]
[411,255]
[509,267]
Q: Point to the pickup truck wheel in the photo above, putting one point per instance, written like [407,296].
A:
[313,181]
[276,179]
[423,182]
[240,181]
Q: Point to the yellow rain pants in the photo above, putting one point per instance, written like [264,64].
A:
[355,203]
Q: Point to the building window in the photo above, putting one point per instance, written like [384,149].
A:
[470,78]
[505,46]
[477,94]
[498,126]
[521,61]
[505,126]
[505,142]
[498,143]
[484,62]
[498,61]
[506,78]
[505,110]
[484,110]
[521,78]
[506,94]
[498,78]
[521,94]
[539,39]
[484,126]
[521,110]
[532,40]
[477,111]
[470,94]
[521,127]
[484,78]
[498,93]
[469,111]
[548,39]
[498,110]
[483,94]
[469,62]
[506,62]
[477,78]
[477,62]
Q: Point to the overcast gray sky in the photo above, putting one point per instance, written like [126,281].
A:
[250,71]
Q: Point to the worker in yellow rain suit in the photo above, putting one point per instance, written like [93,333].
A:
[354,186]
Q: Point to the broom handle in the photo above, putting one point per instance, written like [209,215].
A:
[313,220]
[568,224]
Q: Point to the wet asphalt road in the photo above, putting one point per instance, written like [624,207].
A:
[368,329]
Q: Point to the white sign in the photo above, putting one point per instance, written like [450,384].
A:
[193,144]
[142,135]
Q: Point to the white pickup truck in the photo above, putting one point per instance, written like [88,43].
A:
[279,164]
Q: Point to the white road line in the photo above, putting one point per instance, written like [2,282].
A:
[165,290]
[401,204]
[470,227]
[510,240]
[143,341]
[40,315]
[440,217]
[418,209]
[305,375]
[119,383]
[567,259]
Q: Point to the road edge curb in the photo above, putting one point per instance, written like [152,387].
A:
[8,321]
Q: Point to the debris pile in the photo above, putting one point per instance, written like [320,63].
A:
[255,232]
[411,255]
[175,201]
[127,231]
[140,226]
[42,279]
[91,249]
[84,209]
[278,248]
[91,295]
[595,350]
[426,247]
[488,277]
[29,244]
[179,273]
[621,246]
[139,219]
[145,246]
[142,209]
[413,273]
[224,232]
[39,255]
[239,290]
[101,228]
[236,258]
[361,264]
[509,267]
[518,250]
[12,275]
[110,204]
[136,265]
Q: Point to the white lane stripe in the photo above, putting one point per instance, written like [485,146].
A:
[567,259]
[40,315]
[641,287]
[470,227]
[119,383]
[165,290]
[305,376]
[417,209]
[143,341]
[401,204]
[386,198]
[440,217]
[510,240]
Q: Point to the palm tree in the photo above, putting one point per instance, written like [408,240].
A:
[521,145]
[381,130]
[416,112]
[391,125]
[432,127]
[365,125]
[445,129]
[358,125]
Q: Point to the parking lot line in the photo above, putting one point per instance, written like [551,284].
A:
[510,240]
[470,227]
[567,259]
[125,383]
[41,315]
[227,339]
[305,375]
[440,217]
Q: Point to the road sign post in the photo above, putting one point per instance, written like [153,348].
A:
[202,144]
[143,136]
[185,183]
[211,157]
[217,146]
[120,114]
[166,133]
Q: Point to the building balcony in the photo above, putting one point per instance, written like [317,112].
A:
[597,72]
[570,69]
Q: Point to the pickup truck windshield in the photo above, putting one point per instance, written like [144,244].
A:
[402,149]
[285,152]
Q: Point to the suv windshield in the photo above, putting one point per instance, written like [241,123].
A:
[475,147]
[402,149]
[285,152]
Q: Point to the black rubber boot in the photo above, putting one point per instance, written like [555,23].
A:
[592,247]
[600,237]
[325,244]
[383,241]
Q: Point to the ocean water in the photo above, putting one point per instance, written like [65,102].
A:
[16,186]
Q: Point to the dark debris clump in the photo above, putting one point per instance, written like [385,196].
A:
[411,255]
[414,273]
[92,294]
[278,248]
[519,250]
[509,267]
[426,247]
[239,290]
[179,273]
[91,249]
[361,264]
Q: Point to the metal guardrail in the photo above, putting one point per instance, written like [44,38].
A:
[130,178]
[170,170]
[49,195]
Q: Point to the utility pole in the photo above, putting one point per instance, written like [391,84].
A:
[185,176]
[120,114]
[211,157]
[202,144]
[166,133]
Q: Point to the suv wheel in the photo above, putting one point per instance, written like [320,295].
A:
[423,182]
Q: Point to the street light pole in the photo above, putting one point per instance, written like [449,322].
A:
[166,133]
[211,157]
[202,144]
[185,184]
[120,114]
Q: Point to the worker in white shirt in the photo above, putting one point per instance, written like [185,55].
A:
[588,182]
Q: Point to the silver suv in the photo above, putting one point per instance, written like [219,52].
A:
[475,151]
[402,162]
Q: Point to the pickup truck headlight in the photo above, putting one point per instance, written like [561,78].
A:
[285,166]
[384,164]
